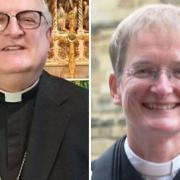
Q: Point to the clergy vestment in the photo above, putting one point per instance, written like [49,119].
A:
[16,110]
[19,119]
[114,165]
[54,136]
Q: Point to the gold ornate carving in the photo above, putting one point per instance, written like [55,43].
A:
[70,36]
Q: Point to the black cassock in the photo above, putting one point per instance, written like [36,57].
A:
[114,165]
[15,121]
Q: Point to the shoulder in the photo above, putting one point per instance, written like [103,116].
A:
[102,167]
[60,85]
[74,98]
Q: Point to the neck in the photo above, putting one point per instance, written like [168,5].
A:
[154,147]
[17,82]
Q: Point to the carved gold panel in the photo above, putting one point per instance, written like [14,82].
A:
[69,49]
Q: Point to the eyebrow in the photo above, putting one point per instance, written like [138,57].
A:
[149,63]
[176,63]
[142,63]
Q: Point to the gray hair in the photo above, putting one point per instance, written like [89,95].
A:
[145,18]
[47,13]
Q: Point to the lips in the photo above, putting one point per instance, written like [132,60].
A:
[158,106]
[13,48]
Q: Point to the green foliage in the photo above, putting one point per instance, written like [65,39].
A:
[83,84]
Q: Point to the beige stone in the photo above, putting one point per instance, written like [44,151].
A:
[98,146]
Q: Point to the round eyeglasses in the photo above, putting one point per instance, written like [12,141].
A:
[28,19]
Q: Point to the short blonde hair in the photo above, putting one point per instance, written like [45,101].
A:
[146,17]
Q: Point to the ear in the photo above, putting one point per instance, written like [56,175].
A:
[114,86]
[49,33]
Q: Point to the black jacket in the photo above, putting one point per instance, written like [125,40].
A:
[58,142]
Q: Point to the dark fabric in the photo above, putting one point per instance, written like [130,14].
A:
[102,167]
[58,141]
[57,145]
[177,177]
[3,143]
[15,121]
[122,168]
[114,165]
[19,118]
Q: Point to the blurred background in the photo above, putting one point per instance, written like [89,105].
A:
[108,122]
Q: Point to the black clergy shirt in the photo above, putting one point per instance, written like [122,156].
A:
[15,122]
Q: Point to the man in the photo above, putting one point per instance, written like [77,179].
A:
[146,82]
[44,119]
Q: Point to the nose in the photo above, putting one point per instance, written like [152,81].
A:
[13,29]
[162,86]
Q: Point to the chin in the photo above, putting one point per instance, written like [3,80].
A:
[15,69]
[165,127]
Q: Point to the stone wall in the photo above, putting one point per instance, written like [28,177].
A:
[107,119]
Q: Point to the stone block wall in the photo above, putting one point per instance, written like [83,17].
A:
[107,121]
[105,132]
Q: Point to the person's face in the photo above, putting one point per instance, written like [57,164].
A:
[23,50]
[150,103]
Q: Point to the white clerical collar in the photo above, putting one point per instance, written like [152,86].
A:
[148,168]
[16,96]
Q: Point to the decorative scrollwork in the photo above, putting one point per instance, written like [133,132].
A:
[70,33]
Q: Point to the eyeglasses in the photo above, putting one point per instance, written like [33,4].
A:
[28,19]
[153,73]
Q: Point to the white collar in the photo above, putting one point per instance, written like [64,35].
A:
[149,168]
[16,96]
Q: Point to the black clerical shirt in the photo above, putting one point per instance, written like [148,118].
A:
[15,123]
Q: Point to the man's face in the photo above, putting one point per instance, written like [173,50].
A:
[23,50]
[150,103]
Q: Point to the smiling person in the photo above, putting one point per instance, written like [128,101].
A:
[44,119]
[145,55]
